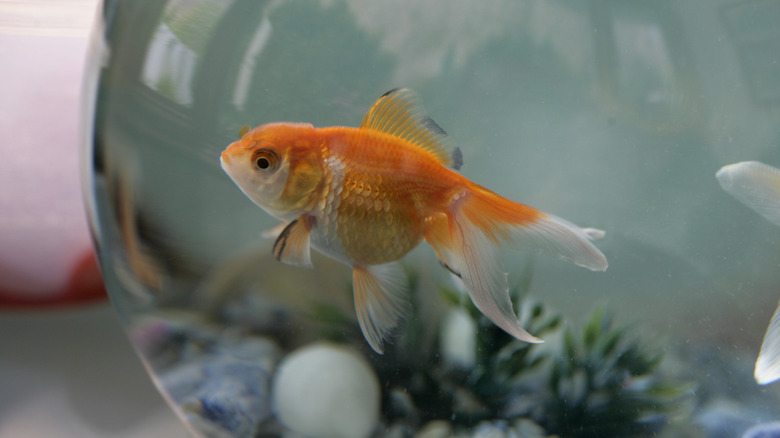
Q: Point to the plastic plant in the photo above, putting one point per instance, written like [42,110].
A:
[607,383]
[602,381]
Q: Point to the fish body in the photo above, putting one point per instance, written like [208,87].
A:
[757,185]
[367,196]
[376,195]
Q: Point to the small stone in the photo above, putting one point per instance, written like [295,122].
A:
[765,430]
[401,405]
[235,397]
[458,339]
[435,429]
[726,417]
[327,391]
[526,428]
[490,430]
[399,431]
[225,390]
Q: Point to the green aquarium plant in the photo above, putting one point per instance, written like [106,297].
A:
[598,380]
[608,382]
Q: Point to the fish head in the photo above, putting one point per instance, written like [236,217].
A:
[277,166]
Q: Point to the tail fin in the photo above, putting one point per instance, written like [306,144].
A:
[468,240]
[524,228]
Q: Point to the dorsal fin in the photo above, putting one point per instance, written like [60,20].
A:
[399,112]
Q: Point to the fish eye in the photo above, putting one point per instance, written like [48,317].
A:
[265,160]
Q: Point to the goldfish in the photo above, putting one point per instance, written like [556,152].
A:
[757,185]
[366,196]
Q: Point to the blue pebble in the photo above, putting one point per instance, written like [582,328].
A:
[766,430]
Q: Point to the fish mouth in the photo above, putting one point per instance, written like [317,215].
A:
[224,159]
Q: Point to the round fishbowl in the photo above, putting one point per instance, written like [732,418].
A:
[345,218]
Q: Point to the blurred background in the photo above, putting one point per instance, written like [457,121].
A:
[67,368]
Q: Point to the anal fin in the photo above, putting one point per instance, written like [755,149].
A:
[292,247]
[381,301]
[477,258]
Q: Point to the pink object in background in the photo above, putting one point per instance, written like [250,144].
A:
[46,255]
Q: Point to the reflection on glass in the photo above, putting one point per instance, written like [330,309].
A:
[753,27]
[608,113]
[644,61]
[645,69]
[248,63]
[175,46]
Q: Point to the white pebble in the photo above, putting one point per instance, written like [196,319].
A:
[459,339]
[325,390]
[435,429]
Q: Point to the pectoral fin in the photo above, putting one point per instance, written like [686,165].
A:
[292,247]
[381,301]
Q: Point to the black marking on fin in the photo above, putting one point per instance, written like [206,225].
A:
[282,239]
[399,112]
[390,92]
[432,126]
[449,268]
[457,158]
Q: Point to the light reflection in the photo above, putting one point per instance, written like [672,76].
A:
[176,46]
[247,67]
[754,27]
[170,66]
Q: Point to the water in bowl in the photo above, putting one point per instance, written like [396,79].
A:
[613,115]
